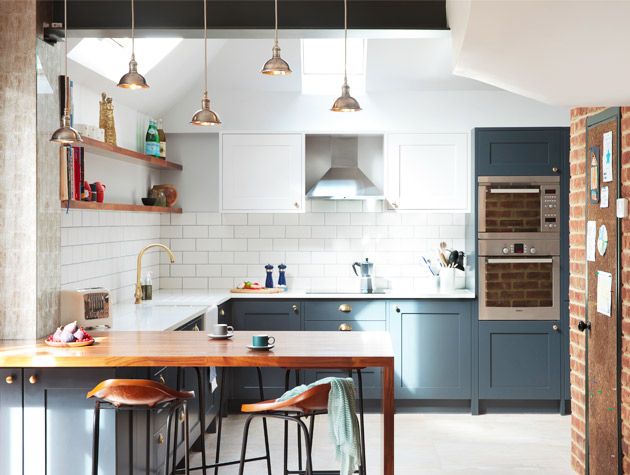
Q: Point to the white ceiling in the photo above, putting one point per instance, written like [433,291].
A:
[413,64]
[564,52]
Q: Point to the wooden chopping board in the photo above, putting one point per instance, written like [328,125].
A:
[256,291]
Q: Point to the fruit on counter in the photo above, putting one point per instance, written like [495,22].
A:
[70,333]
[250,285]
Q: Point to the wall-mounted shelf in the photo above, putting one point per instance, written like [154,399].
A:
[126,155]
[118,207]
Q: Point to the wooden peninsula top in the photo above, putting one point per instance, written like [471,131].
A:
[303,349]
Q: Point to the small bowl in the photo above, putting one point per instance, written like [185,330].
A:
[149,201]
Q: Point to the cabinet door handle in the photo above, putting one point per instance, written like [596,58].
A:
[9,379]
[345,308]
[555,169]
[295,308]
[296,204]
[394,205]
[196,328]
[32,379]
[345,327]
[160,439]
[397,309]
[162,380]
[555,327]
[222,312]
[582,325]
[181,416]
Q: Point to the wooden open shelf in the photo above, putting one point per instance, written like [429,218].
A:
[118,207]
[126,155]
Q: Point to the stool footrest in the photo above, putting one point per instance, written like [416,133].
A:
[224,464]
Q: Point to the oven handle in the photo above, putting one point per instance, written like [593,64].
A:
[522,260]
[515,190]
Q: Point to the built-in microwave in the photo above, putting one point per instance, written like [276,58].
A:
[519,206]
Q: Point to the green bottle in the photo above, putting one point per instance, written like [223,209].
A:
[152,140]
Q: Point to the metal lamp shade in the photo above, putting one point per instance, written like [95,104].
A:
[66,135]
[205,116]
[133,79]
[345,102]
[276,66]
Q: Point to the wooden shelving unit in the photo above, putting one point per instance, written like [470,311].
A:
[126,155]
[118,207]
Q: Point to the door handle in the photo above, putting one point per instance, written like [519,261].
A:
[582,325]
[555,169]
[397,309]
[295,308]
[345,327]
[33,379]
[9,379]
[345,308]
[196,328]
[555,327]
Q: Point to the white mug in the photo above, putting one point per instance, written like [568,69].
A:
[222,329]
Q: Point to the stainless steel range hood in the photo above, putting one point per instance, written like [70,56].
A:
[344,180]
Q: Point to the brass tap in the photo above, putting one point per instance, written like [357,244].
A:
[138,293]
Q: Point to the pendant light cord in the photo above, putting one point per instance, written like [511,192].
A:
[205,47]
[133,31]
[276,16]
[65,58]
[345,41]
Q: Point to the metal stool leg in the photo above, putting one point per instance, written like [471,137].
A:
[363,470]
[287,375]
[307,443]
[220,421]
[95,437]
[202,417]
[299,434]
[186,441]
[169,426]
[241,466]
[178,386]
[261,393]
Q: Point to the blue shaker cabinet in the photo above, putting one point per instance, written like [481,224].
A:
[267,316]
[11,420]
[536,151]
[432,347]
[519,360]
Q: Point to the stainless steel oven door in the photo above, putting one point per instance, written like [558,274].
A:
[519,288]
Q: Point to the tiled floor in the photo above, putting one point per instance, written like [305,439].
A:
[429,444]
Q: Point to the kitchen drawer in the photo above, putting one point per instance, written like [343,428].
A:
[194,325]
[157,450]
[345,310]
[356,325]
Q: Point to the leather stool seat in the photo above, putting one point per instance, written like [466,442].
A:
[136,392]
[311,400]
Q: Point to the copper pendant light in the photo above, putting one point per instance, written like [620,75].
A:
[133,79]
[66,135]
[345,102]
[276,66]
[205,116]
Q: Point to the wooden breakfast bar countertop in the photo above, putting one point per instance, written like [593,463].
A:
[293,349]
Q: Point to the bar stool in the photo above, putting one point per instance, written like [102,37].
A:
[140,394]
[310,403]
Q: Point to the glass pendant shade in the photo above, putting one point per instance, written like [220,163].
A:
[345,102]
[205,116]
[133,79]
[276,66]
[66,135]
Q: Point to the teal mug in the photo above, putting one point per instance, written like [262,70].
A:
[262,340]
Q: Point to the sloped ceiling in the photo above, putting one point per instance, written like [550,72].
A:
[559,52]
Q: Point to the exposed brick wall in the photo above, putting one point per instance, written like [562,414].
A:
[577,238]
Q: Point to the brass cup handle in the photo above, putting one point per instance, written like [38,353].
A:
[160,439]
[345,308]
[222,312]
[196,328]
[295,308]
[32,379]
[162,380]
[345,327]
[9,379]
[181,416]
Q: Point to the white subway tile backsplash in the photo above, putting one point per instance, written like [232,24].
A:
[246,257]
[195,231]
[285,244]
[208,244]
[194,257]
[259,244]
[212,219]
[195,283]
[184,219]
[323,206]
[337,218]
[183,244]
[209,270]
[234,244]
[298,231]
[246,231]
[221,231]
[286,219]
[349,206]
[262,219]
[234,219]
[272,231]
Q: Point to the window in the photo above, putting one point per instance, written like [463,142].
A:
[322,65]
[109,57]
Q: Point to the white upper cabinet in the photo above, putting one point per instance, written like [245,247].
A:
[428,172]
[262,172]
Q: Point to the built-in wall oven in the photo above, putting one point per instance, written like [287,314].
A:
[521,206]
[519,247]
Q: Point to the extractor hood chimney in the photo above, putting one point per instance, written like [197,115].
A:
[344,180]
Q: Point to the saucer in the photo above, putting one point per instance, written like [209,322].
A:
[221,337]
[260,348]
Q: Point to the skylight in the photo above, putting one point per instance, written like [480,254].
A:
[322,65]
[109,57]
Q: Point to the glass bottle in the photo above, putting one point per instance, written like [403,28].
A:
[162,136]
[152,140]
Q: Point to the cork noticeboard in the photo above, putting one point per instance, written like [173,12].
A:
[603,343]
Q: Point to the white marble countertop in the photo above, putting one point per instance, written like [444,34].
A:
[170,309]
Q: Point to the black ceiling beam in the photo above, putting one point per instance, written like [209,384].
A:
[254,14]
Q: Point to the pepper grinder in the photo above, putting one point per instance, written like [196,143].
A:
[282,280]
[269,279]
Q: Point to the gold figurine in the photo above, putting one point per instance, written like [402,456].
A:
[106,119]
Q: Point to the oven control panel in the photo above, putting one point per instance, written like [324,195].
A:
[518,248]
[549,207]
[530,247]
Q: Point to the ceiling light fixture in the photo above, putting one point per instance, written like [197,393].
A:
[276,66]
[205,116]
[66,135]
[345,102]
[133,79]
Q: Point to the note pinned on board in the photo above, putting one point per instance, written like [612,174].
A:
[604,292]
[591,240]
[603,202]
[607,170]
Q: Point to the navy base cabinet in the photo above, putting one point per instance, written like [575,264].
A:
[536,151]
[519,360]
[432,347]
